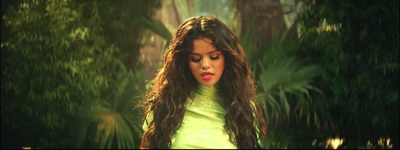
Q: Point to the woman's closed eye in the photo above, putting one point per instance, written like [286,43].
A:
[195,60]
[214,57]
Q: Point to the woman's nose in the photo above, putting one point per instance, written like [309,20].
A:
[205,64]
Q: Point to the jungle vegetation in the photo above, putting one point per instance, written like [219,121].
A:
[72,73]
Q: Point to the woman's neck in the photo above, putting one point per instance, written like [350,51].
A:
[208,91]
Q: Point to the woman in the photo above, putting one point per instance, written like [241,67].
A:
[204,96]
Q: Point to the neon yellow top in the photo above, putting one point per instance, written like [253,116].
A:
[203,124]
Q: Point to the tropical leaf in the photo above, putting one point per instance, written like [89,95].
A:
[116,125]
[284,77]
[156,26]
[111,125]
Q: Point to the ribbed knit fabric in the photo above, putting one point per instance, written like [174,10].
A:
[203,124]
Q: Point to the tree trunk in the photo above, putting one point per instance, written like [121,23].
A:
[265,16]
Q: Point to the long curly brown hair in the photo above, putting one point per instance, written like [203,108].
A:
[175,83]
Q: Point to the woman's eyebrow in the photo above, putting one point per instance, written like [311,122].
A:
[207,53]
[213,51]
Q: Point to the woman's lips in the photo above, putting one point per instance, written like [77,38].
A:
[207,75]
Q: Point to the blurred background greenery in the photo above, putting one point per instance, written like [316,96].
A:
[74,70]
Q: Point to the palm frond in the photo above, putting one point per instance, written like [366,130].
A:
[116,125]
[280,78]
[389,67]
[156,26]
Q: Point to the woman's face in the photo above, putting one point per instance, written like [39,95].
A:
[206,62]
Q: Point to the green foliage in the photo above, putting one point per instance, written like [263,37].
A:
[339,78]
[286,76]
[125,24]
[71,77]
[64,59]
[356,43]
[282,75]
[50,69]
[285,83]
[115,125]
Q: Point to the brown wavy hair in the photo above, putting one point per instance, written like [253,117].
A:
[175,83]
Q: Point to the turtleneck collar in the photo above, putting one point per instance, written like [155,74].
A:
[211,92]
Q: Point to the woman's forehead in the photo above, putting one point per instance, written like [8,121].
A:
[202,46]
